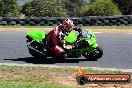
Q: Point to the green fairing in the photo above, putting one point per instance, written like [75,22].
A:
[95,45]
[77,52]
[92,40]
[37,35]
[71,38]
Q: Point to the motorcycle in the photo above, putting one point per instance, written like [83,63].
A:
[84,44]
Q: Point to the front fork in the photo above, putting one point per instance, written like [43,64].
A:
[87,52]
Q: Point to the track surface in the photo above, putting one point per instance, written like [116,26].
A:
[117,51]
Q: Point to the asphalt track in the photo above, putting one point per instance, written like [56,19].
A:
[117,51]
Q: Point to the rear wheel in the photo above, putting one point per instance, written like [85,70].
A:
[60,58]
[36,50]
[37,55]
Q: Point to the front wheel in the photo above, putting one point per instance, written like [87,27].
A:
[95,55]
[97,52]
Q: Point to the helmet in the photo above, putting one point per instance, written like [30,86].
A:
[68,24]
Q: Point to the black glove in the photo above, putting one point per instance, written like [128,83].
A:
[75,45]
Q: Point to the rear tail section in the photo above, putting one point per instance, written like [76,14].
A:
[36,42]
[36,35]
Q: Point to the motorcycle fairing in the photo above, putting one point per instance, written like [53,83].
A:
[37,35]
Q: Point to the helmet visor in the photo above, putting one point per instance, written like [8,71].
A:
[69,28]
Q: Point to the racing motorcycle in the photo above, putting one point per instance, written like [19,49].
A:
[84,45]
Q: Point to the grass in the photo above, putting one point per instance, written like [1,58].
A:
[16,26]
[108,27]
[87,27]
[41,77]
[31,77]
[5,84]
[91,70]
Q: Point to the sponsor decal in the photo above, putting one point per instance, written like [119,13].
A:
[83,78]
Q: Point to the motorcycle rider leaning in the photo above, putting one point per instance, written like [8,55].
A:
[55,38]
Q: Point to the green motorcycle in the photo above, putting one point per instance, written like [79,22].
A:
[84,44]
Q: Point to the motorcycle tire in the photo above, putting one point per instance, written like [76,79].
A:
[100,52]
[61,58]
[97,53]
[36,54]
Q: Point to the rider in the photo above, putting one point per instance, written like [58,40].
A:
[55,38]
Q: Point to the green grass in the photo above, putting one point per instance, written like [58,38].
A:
[87,27]
[91,70]
[5,84]
[108,27]
[31,77]
[41,77]
[15,26]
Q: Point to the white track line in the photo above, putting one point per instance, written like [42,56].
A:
[111,69]
[129,33]
[56,66]
[97,32]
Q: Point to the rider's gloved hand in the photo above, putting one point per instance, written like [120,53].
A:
[68,46]
[74,45]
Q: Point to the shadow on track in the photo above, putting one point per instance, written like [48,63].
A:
[46,61]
